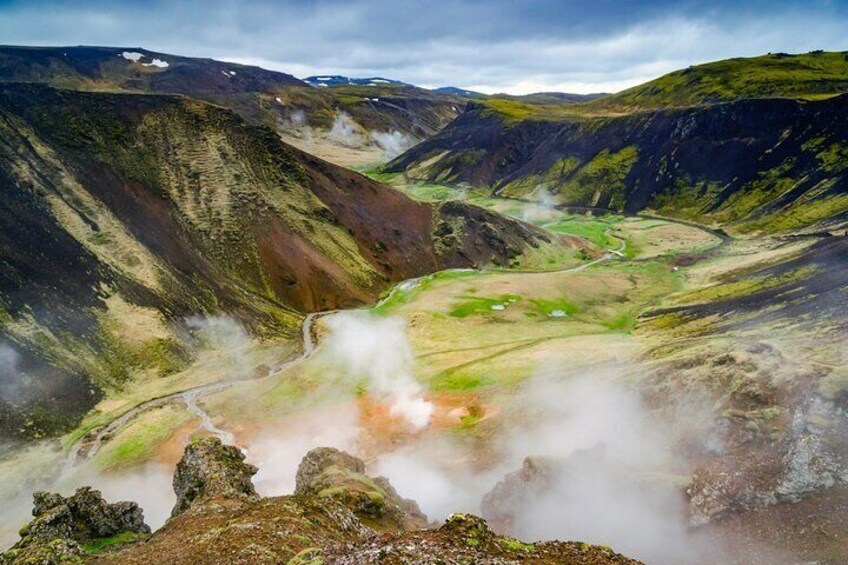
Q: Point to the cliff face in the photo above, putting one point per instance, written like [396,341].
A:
[769,164]
[118,208]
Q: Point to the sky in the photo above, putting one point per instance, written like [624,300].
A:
[513,46]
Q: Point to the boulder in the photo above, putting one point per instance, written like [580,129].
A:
[210,469]
[326,472]
[61,526]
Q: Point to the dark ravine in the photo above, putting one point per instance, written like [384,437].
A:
[769,165]
[180,208]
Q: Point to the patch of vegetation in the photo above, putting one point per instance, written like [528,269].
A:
[591,228]
[558,308]
[600,182]
[483,306]
[396,297]
[744,287]
[102,544]
[513,544]
[625,321]
[138,441]
[455,381]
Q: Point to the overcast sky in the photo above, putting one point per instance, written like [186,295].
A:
[515,46]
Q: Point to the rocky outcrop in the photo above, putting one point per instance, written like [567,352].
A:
[210,469]
[756,476]
[516,491]
[62,526]
[335,517]
[326,472]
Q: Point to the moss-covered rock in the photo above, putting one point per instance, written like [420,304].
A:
[328,473]
[211,469]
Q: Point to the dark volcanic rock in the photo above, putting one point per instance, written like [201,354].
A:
[516,491]
[62,525]
[753,477]
[211,469]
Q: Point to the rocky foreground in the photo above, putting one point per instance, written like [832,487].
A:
[337,515]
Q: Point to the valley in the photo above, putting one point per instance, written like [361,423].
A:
[618,319]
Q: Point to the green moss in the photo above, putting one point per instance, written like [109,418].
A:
[813,75]
[593,229]
[309,556]
[139,441]
[455,381]
[601,181]
[744,287]
[101,544]
[513,544]
[626,321]
[552,308]
[483,306]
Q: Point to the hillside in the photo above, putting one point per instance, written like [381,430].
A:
[270,98]
[122,215]
[810,76]
[768,164]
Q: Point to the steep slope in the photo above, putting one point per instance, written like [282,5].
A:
[124,214]
[270,98]
[771,164]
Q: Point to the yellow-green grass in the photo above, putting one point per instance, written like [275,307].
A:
[141,438]
[211,366]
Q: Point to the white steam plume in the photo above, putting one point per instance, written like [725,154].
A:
[378,350]
[542,209]
[345,131]
[614,480]
[278,450]
[10,385]
[392,143]
[297,118]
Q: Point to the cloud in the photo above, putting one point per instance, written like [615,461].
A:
[490,46]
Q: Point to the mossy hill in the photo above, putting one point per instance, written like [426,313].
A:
[758,145]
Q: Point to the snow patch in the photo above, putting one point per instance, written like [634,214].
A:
[158,63]
[557,314]
[498,307]
[133,56]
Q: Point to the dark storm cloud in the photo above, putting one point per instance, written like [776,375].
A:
[518,45]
